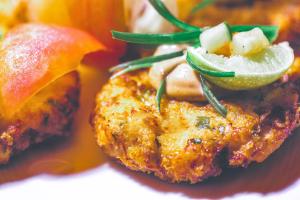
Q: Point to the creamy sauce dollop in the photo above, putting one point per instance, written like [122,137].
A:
[182,82]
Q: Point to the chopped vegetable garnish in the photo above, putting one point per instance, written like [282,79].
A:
[216,37]
[271,32]
[207,72]
[249,42]
[164,12]
[173,38]
[235,72]
[161,90]
[203,122]
[148,60]
[212,99]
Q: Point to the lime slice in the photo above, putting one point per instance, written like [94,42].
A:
[250,72]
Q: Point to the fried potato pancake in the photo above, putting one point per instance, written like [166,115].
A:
[49,113]
[189,141]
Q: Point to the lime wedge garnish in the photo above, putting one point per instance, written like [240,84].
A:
[250,72]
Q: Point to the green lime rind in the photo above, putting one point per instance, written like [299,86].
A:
[251,72]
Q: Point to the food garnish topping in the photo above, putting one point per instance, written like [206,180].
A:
[250,60]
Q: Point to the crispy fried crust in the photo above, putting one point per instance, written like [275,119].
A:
[174,145]
[49,113]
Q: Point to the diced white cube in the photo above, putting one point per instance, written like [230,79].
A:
[249,42]
[215,38]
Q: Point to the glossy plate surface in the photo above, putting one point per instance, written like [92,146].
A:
[75,168]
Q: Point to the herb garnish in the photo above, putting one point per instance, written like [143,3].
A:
[211,98]
[271,32]
[164,12]
[172,38]
[203,122]
[161,90]
[207,72]
[130,69]
[191,36]
[148,60]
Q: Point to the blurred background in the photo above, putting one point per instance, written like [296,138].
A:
[99,17]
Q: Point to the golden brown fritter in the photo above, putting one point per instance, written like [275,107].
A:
[190,141]
[49,113]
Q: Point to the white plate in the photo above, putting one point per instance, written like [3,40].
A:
[75,168]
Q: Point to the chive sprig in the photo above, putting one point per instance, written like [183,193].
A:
[189,35]
[149,60]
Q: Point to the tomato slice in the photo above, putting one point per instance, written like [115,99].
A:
[34,55]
